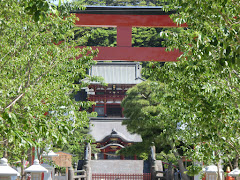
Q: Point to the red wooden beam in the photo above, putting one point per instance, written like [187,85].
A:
[124,23]
[135,54]
[125,20]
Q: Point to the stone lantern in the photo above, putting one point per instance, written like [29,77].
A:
[212,172]
[6,171]
[36,170]
[235,173]
[50,174]
[49,155]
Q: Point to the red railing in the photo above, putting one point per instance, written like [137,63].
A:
[106,97]
[144,176]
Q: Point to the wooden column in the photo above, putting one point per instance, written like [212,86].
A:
[105,104]
[122,112]
[105,108]
[104,156]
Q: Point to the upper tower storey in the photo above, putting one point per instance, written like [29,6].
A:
[119,76]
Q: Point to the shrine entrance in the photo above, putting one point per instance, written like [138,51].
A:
[114,110]
[113,155]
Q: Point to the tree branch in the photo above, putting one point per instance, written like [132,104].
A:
[21,47]
[236,73]
[230,143]
[13,102]
[33,83]
[228,23]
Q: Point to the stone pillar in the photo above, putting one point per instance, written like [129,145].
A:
[86,166]
[48,175]
[170,173]
[153,163]
[70,173]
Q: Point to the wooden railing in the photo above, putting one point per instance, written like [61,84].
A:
[76,174]
[79,175]
[160,174]
[106,97]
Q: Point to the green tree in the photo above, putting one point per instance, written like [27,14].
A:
[204,84]
[206,79]
[38,68]
[146,37]
[122,2]
[77,143]
[212,106]
[153,113]
[92,36]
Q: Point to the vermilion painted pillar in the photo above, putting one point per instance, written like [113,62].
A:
[122,112]
[124,36]
[105,108]
[33,155]
[105,156]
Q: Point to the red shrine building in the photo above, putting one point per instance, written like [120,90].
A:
[107,128]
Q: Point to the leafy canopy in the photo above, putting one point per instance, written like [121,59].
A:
[204,84]
[38,68]
[206,79]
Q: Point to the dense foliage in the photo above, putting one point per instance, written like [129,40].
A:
[153,113]
[207,77]
[38,68]
[122,2]
[204,84]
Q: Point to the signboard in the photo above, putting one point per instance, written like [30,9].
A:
[63,160]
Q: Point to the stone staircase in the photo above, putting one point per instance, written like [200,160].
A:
[120,166]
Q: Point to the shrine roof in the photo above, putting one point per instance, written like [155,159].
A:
[131,10]
[117,72]
[100,129]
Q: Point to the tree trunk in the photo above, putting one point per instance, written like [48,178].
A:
[5,144]
[230,164]
[170,173]
[235,165]
[218,169]
[22,166]
[180,164]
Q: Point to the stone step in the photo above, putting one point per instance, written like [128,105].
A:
[119,166]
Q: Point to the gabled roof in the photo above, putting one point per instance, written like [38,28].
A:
[117,72]
[100,130]
[115,134]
